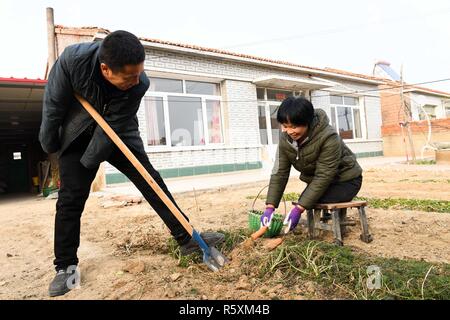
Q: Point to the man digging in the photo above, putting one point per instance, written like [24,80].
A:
[110,75]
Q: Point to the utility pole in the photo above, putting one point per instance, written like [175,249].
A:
[408,117]
[402,124]
[51,45]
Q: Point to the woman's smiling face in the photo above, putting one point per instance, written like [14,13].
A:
[294,131]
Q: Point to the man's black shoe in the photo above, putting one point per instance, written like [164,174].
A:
[211,238]
[61,283]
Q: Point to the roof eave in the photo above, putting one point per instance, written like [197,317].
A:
[222,56]
[428,92]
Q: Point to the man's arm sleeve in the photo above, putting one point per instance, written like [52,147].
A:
[57,96]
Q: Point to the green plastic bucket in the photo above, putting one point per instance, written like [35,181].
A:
[254,223]
[254,219]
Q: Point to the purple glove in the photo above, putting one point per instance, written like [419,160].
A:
[292,219]
[266,217]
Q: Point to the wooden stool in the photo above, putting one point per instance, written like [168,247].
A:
[339,222]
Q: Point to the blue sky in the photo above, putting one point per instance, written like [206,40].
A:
[347,34]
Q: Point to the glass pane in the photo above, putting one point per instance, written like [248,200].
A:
[214,121]
[274,124]
[186,121]
[430,110]
[357,117]
[333,118]
[156,133]
[260,93]
[262,125]
[336,100]
[196,87]
[422,116]
[350,101]
[344,116]
[166,85]
[447,112]
[278,95]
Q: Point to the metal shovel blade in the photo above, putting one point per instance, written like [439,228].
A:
[210,262]
[211,256]
[218,256]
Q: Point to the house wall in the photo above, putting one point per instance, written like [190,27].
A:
[68,36]
[241,148]
[390,100]
[393,144]
[418,100]
[371,145]
[168,61]
[373,117]
[393,138]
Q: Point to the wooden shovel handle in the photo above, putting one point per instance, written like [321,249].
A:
[259,233]
[135,162]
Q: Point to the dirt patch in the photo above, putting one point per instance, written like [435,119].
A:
[112,239]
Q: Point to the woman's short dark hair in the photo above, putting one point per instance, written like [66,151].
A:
[298,111]
[121,48]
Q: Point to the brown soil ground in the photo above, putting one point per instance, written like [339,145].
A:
[112,238]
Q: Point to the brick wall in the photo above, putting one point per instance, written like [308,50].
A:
[321,100]
[393,144]
[419,127]
[390,100]
[68,36]
[241,110]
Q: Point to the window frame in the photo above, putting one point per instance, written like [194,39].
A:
[446,106]
[266,104]
[432,116]
[203,98]
[352,107]
[447,112]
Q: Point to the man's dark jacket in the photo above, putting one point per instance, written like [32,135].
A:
[77,70]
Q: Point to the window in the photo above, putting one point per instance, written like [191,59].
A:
[429,109]
[182,113]
[196,87]
[350,101]
[278,95]
[274,124]
[156,131]
[336,100]
[269,128]
[346,116]
[357,119]
[446,104]
[345,123]
[186,121]
[261,93]
[262,125]
[166,85]
[214,123]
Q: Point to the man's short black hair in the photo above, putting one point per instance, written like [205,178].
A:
[295,110]
[121,48]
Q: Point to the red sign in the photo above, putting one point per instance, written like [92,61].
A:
[280,96]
